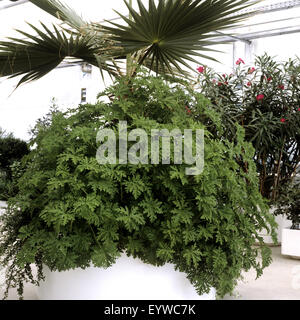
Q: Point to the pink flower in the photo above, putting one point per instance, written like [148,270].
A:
[298,109]
[283,120]
[239,61]
[281,86]
[219,84]
[188,110]
[214,81]
[201,69]
[251,70]
[260,97]
[224,75]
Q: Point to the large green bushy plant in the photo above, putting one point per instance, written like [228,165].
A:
[72,212]
[265,100]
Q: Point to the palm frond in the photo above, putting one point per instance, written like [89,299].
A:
[174,32]
[61,11]
[38,55]
[163,37]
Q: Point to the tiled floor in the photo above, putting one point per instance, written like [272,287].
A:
[280,281]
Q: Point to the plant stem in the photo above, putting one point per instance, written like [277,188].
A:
[274,193]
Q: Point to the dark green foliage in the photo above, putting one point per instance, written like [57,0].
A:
[289,204]
[12,150]
[74,212]
[265,100]
[171,33]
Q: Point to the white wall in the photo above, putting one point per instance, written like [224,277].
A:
[20,110]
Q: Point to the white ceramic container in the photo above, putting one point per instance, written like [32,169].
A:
[290,245]
[127,279]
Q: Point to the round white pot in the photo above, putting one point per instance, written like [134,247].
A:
[127,279]
[290,245]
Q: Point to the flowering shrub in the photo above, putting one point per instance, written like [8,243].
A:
[265,100]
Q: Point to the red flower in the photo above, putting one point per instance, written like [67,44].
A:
[239,61]
[269,79]
[201,69]
[260,97]
[188,110]
[281,86]
[298,109]
[251,70]
[226,82]
[219,84]
[249,84]
[283,120]
[224,75]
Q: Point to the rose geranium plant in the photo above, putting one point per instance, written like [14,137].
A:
[71,212]
[265,100]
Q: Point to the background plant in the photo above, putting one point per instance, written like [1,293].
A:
[72,212]
[289,204]
[12,150]
[265,100]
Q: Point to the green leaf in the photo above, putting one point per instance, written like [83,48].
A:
[169,33]
[132,219]
[152,208]
[61,11]
[192,256]
[38,55]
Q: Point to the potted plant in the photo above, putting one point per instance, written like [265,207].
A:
[73,213]
[264,99]
[289,206]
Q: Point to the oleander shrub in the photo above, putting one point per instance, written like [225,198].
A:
[73,212]
[265,100]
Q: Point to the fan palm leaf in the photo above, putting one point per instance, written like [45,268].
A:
[38,55]
[163,37]
[173,32]
[61,11]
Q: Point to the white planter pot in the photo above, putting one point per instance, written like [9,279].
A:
[282,222]
[127,279]
[290,245]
